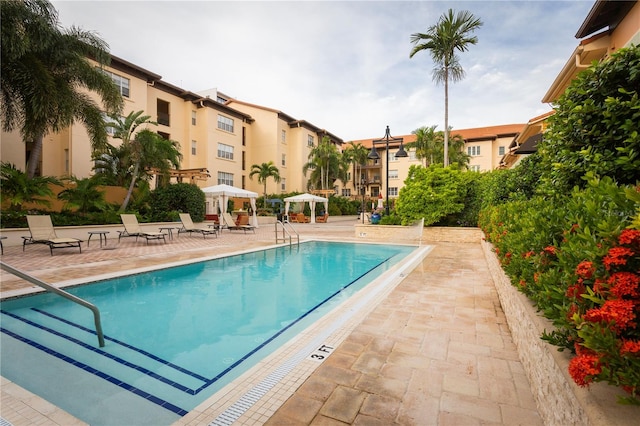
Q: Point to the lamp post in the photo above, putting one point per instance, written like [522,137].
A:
[363,183]
[373,155]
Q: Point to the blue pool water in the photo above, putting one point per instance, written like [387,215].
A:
[175,336]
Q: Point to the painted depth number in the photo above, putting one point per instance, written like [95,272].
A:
[321,353]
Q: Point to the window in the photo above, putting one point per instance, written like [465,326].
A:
[120,81]
[348,176]
[310,140]
[412,155]
[225,178]
[163,112]
[284,159]
[474,168]
[393,191]
[393,174]
[283,184]
[346,192]
[225,123]
[283,136]
[110,129]
[193,118]
[392,157]
[164,135]
[501,150]
[473,150]
[225,151]
[193,147]
[66,160]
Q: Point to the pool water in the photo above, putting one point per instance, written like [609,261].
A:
[175,336]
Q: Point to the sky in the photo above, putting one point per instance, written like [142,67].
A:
[344,66]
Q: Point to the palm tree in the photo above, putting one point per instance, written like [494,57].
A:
[45,76]
[428,145]
[85,195]
[356,153]
[19,189]
[145,149]
[324,161]
[451,33]
[264,172]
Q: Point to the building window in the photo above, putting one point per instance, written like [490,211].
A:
[193,118]
[225,123]
[412,155]
[393,174]
[348,176]
[66,160]
[283,184]
[346,192]
[310,140]
[164,135]
[163,112]
[284,159]
[473,150]
[225,151]
[501,150]
[393,191]
[193,147]
[225,178]
[110,129]
[474,168]
[121,82]
[392,157]
[283,136]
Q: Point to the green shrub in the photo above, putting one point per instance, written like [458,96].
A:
[179,197]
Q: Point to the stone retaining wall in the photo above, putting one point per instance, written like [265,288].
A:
[412,234]
[560,401]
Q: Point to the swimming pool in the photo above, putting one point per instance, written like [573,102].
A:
[177,335]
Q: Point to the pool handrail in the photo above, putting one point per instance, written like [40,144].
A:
[69,296]
[284,225]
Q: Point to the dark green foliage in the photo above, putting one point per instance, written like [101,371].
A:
[180,197]
[595,127]
[17,188]
[84,195]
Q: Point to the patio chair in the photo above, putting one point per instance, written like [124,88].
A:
[188,226]
[232,225]
[322,219]
[132,229]
[42,232]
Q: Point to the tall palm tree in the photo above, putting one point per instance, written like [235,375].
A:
[264,172]
[356,153]
[324,161]
[451,33]
[45,76]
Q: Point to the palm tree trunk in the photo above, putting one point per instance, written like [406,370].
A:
[34,157]
[446,119]
[132,185]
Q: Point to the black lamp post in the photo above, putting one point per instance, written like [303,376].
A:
[373,155]
[363,183]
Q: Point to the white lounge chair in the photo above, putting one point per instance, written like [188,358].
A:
[188,226]
[132,229]
[42,232]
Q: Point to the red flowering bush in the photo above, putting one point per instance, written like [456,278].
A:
[578,258]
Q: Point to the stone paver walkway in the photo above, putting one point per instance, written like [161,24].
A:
[436,351]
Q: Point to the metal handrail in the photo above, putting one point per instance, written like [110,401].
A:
[69,296]
[285,231]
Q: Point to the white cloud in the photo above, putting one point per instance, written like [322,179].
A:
[343,65]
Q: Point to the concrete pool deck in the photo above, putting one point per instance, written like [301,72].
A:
[434,350]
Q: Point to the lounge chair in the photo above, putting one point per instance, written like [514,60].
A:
[42,232]
[322,219]
[232,225]
[188,226]
[302,218]
[132,229]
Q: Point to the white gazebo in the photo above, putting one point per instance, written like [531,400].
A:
[307,198]
[222,193]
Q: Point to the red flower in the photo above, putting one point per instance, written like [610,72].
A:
[630,347]
[599,287]
[585,269]
[575,290]
[573,308]
[617,256]
[583,368]
[574,227]
[528,254]
[629,237]
[624,284]
[550,250]
[619,312]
